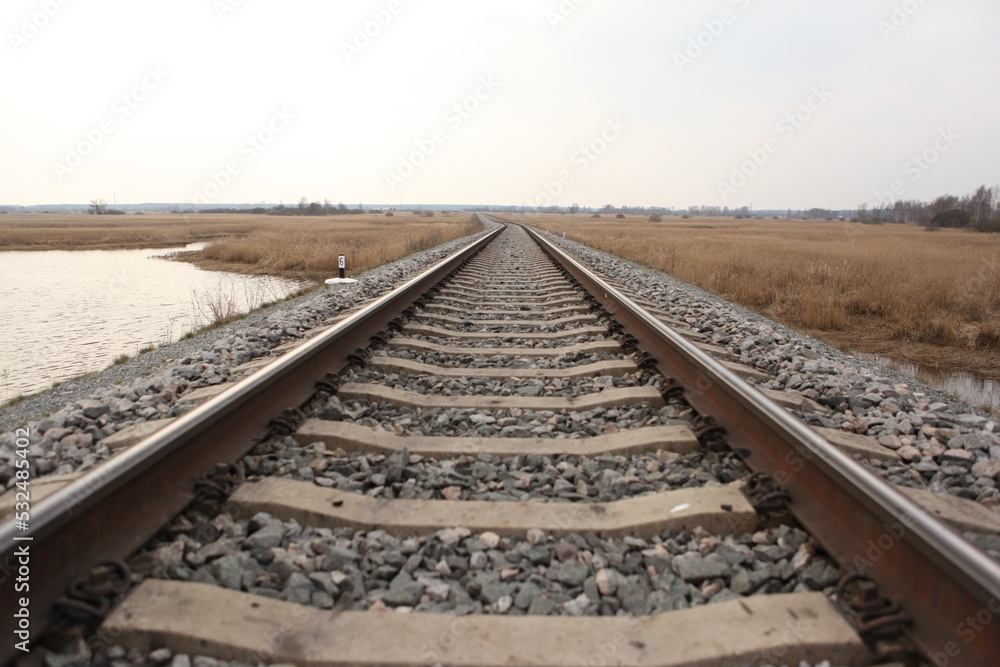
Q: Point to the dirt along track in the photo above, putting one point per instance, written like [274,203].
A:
[506,465]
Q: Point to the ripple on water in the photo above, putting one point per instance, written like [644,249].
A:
[67,313]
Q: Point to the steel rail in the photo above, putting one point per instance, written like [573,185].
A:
[946,585]
[116,508]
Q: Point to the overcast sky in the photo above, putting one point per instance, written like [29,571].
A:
[778,103]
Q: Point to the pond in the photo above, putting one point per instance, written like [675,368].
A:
[67,313]
[977,392]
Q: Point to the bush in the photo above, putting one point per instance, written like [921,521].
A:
[389,214]
[990,226]
[596,215]
[620,216]
[953,218]
[686,217]
[656,218]
[429,214]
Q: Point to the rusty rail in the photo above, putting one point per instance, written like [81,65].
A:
[945,585]
[113,510]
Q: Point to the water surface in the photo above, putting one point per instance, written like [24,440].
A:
[977,392]
[66,313]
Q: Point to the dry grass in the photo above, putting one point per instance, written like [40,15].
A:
[79,231]
[932,299]
[308,247]
[294,247]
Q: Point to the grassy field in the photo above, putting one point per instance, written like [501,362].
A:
[79,231]
[931,298]
[308,247]
[294,247]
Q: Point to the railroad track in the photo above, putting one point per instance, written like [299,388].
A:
[538,469]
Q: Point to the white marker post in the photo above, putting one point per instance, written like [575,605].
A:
[342,280]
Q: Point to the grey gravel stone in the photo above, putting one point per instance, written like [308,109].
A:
[694,567]
[571,573]
[147,386]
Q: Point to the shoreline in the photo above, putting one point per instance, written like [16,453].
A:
[44,403]
[932,358]
[111,245]
[861,338]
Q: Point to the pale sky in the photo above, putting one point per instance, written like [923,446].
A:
[778,103]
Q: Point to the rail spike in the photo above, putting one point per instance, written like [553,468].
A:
[286,423]
[330,383]
[214,488]
[766,495]
[89,597]
[879,619]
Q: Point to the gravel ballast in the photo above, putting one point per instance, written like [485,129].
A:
[947,446]
[67,423]
[459,572]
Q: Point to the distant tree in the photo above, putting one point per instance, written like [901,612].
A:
[575,208]
[98,206]
[979,206]
[656,218]
[953,218]
[943,204]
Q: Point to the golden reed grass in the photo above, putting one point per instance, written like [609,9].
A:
[299,247]
[79,231]
[889,289]
[307,247]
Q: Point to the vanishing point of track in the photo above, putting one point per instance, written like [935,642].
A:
[510,295]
